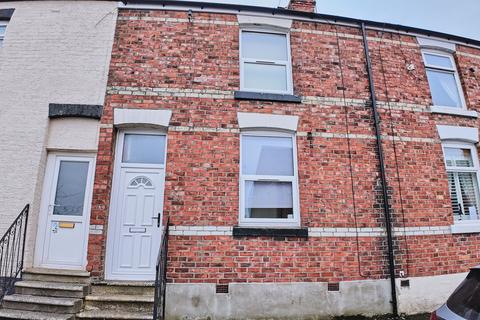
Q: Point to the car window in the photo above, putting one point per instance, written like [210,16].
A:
[465,301]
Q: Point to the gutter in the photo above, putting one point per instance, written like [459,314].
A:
[205,6]
[383,175]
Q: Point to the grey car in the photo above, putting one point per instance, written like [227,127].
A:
[464,303]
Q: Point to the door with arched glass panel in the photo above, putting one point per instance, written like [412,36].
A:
[134,233]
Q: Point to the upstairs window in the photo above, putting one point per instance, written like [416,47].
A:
[3,29]
[443,79]
[462,169]
[268,181]
[265,62]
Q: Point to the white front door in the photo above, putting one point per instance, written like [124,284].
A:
[65,212]
[134,232]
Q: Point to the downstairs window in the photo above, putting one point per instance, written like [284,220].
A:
[268,179]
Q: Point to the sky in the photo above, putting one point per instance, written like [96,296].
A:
[458,17]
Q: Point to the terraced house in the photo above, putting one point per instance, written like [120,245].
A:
[278,162]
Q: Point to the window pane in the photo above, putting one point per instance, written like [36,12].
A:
[444,88]
[457,209]
[71,184]
[264,46]
[267,156]
[468,193]
[456,157]
[144,148]
[464,195]
[264,199]
[2,34]
[265,77]
[438,61]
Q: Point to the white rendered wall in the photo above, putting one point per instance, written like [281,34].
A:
[73,134]
[312,300]
[426,294]
[54,52]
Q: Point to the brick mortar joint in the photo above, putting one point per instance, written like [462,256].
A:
[179,20]
[320,231]
[466,54]
[325,135]
[229,94]
[354,36]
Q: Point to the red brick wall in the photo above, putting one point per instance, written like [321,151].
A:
[223,259]
[202,169]
[302,5]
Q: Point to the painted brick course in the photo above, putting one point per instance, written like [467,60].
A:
[160,60]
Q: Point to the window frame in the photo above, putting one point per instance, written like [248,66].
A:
[475,169]
[267,222]
[454,71]
[2,38]
[287,63]
[120,145]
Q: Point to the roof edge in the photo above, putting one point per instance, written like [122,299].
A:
[305,15]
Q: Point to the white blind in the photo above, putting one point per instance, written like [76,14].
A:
[263,194]
[444,89]
[463,193]
[468,186]
[453,194]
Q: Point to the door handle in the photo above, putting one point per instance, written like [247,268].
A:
[158,219]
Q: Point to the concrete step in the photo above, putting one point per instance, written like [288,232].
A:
[107,315]
[56,275]
[119,303]
[42,304]
[52,289]
[123,287]
[32,315]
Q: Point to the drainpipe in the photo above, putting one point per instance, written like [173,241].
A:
[383,176]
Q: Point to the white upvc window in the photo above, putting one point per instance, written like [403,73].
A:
[3,30]
[265,62]
[443,79]
[461,161]
[268,179]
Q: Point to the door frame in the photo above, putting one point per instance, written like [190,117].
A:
[49,180]
[116,190]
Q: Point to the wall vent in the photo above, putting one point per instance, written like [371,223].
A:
[404,283]
[333,286]
[222,288]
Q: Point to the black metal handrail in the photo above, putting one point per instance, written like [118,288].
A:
[161,277]
[12,252]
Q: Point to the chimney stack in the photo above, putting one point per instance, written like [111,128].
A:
[302,5]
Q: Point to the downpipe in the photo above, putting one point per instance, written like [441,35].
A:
[383,175]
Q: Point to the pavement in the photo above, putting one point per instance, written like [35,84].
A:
[421,316]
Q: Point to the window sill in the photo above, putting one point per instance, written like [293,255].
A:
[471,227]
[270,232]
[248,95]
[454,111]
